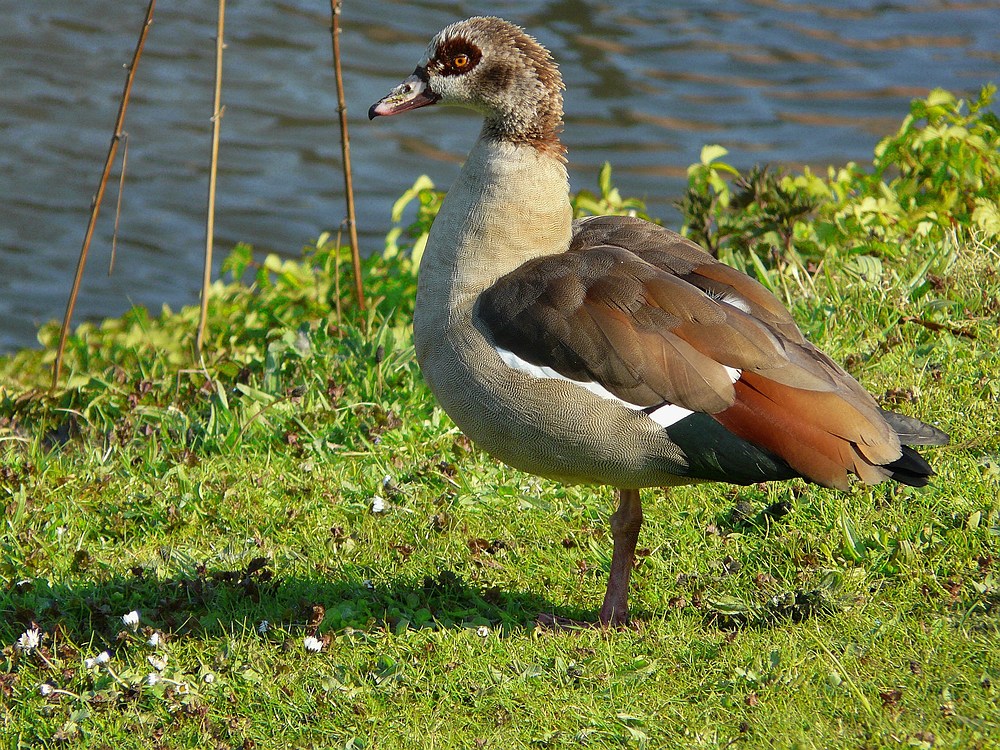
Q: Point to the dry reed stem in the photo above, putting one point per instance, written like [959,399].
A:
[336,285]
[118,205]
[95,207]
[345,147]
[217,112]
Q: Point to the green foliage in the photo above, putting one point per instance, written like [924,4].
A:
[943,164]
[939,172]
[753,226]
[607,201]
[281,338]
[411,241]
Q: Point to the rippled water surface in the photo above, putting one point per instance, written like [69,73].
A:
[648,83]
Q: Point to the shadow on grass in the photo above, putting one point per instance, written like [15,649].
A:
[228,601]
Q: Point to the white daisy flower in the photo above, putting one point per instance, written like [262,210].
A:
[313,645]
[155,640]
[157,663]
[482,631]
[152,678]
[29,640]
[209,678]
[45,689]
[131,619]
[102,658]
[378,504]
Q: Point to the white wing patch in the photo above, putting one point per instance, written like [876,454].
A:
[665,415]
[736,301]
[668,414]
[730,298]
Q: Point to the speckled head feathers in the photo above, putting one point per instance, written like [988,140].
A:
[494,67]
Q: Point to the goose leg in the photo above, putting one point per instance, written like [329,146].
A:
[625,525]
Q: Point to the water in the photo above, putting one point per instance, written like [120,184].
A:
[649,82]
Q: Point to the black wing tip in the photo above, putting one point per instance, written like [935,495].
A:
[911,468]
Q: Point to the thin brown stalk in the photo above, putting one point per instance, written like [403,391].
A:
[95,206]
[118,205]
[217,112]
[345,147]
[336,286]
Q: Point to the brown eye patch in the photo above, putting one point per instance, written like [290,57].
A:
[456,56]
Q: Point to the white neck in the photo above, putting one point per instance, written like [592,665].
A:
[509,204]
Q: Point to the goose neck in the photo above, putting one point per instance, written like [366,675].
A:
[509,204]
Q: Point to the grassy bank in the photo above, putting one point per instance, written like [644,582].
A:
[318,558]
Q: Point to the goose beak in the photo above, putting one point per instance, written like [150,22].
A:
[412,93]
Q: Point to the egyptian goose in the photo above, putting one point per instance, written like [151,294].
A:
[611,350]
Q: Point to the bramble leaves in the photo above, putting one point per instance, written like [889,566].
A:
[939,171]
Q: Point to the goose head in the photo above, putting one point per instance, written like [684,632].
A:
[492,67]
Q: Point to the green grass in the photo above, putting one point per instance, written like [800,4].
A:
[212,498]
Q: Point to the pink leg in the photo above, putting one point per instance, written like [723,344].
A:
[625,525]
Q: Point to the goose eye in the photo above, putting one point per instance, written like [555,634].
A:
[460,61]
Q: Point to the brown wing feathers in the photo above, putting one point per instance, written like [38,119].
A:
[653,318]
[607,330]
